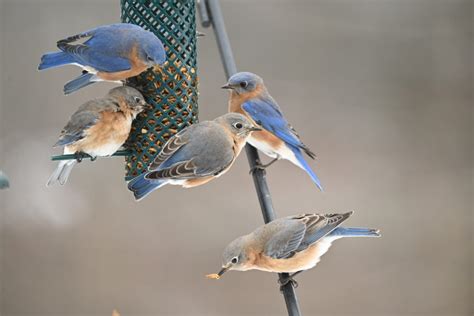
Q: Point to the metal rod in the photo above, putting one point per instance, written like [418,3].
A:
[120,153]
[203,13]
[259,175]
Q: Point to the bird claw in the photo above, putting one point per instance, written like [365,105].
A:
[283,281]
[260,166]
[78,157]
[287,280]
[257,167]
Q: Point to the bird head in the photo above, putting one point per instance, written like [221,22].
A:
[237,124]
[134,99]
[235,257]
[243,82]
[152,50]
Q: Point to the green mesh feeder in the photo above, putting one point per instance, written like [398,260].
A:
[171,91]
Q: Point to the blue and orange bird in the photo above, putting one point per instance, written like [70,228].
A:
[107,53]
[98,128]
[278,139]
[288,245]
[196,155]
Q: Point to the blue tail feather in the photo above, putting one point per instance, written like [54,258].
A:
[141,187]
[80,82]
[55,59]
[355,232]
[306,167]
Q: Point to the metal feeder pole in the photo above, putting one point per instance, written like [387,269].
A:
[211,14]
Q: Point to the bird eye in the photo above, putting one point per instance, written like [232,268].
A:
[235,260]
[137,99]
[149,58]
[244,84]
[238,125]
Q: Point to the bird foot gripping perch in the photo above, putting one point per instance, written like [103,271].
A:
[262,167]
[285,279]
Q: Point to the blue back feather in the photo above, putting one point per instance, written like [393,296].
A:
[141,187]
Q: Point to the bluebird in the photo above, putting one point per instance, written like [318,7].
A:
[4,183]
[98,128]
[278,139]
[196,155]
[109,53]
[288,245]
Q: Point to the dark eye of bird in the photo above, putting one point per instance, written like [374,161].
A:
[137,99]
[234,260]
[244,84]
[238,125]
[149,58]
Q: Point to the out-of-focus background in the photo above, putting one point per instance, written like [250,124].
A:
[380,90]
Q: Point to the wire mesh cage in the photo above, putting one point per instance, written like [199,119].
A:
[171,91]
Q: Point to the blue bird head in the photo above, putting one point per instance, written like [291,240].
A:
[243,82]
[152,50]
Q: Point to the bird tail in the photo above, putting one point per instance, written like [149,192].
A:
[55,59]
[141,187]
[62,172]
[354,232]
[80,82]
[301,162]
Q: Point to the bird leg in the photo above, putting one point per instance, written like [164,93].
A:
[289,279]
[78,156]
[260,166]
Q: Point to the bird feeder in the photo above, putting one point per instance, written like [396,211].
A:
[170,90]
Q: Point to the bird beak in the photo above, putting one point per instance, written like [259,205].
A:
[223,270]
[255,129]
[227,86]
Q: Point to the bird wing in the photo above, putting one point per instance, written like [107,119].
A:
[266,113]
[171,147]
[318,226]
[76,127]
[286,241]
[196,151]
[104,49]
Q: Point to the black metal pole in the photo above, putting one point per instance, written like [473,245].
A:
[212,12]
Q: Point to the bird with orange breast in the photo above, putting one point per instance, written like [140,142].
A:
[98,128]
[278,139]
[196,155]
[111,52]
[288,245]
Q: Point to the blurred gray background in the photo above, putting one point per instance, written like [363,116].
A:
[380,90]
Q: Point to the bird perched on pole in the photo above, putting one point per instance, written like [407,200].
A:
[98,128]
[278,139]
[290,244]
[107,53]
[196,155]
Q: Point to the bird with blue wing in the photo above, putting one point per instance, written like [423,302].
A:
[278,139]
[288,245]
[98,128]
[196,155]
[112,52]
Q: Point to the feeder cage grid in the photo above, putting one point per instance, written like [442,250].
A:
[170,90]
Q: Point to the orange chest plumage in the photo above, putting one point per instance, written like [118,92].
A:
[137,67]
[108,134]
[302,260]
